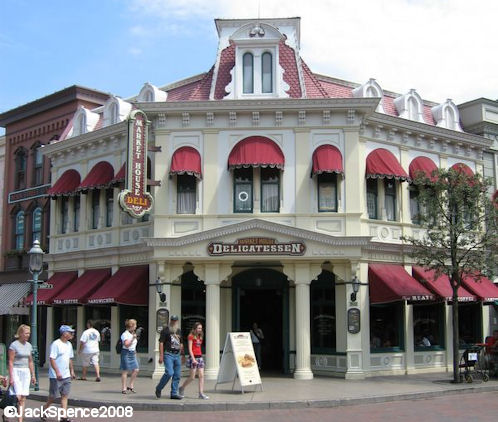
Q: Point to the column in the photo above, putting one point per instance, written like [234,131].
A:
[409,342]
[212,282]
[303,336]
[49,334]
[448,318]
[115,335]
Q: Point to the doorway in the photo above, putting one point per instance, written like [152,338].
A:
[262,297]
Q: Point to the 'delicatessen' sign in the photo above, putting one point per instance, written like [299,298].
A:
[256,246]
[135,199]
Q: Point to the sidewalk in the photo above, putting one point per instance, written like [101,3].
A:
[278,392]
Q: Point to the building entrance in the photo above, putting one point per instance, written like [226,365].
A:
[262,297]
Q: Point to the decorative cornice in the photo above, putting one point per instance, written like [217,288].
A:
[258,224]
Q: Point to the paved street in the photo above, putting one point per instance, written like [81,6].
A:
[480,406]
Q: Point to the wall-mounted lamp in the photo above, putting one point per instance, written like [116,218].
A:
[356,288]
[159,289]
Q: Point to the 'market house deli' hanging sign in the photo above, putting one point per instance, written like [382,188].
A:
[135,199]
[256,246]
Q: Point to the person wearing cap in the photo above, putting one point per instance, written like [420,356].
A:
[170,348]
[61,370]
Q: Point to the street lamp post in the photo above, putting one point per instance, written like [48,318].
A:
[35,268]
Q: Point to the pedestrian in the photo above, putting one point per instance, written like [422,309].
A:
[195,362]
[129,360]
[89,350]
[170,349]
[257,338]
[21,368]
[61,369]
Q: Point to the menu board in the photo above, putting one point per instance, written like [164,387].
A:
[238,359]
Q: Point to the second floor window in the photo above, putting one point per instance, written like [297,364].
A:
[109,206]
[266,73]
[248,73]
[242,190]
[64,214]
[19,230]
[270,190]
[20,179]
[38,167]
[327,192]
[390,199]
[37,225]
[414,205]
[185,194]
[76,211]
[95,209]
[372,198]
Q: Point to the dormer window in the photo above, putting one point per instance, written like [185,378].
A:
[149,96]
[150,93]
[248,73]
[446,115]
[370,89]
[82,124]
[410,106]
[114,112]
[267,73]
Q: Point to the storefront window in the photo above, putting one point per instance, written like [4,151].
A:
[242,190]
[386,328]
[428,326]
[141,314]
[270,190]
[66,315]
[327,192]
[469,324]
[323,322]
[186,195]
[193,303]
[101,317]
[372,198]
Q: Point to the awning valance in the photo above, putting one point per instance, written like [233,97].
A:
[128,286]
[482,287]
[441,285]
[422,165]
[79,291]
[463,168]
[186,160]
[57,283]
[391,283]
[100,176]
[381,163]
[327,159]
[11,295]
[66,184]
[256,151]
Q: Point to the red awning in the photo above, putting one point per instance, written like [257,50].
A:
[463,168]
[483,288]
[186,160]
[422,165]
[256,151]
[391,283]
[120,175]
[382,163]
[441,286]
[128,286]
[327,159]
[99,176]
[66,184]
[79,291]
[57,283]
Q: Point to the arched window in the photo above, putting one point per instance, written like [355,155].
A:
[413,109]
[186,194]
[38,166]
[20,180]
[248,73]
[20,230]
[267,73]
[149,96]
[37,224]
[82,124]
[450,118]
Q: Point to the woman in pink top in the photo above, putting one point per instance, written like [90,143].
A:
[195,361]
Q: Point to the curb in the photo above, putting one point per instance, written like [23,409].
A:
[266,405]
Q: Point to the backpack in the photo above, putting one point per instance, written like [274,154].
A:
[119,346]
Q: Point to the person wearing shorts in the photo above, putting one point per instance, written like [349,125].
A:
[195,362]
[61,370]
[21,368]
[89,350]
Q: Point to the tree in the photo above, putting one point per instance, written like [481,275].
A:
[459,222]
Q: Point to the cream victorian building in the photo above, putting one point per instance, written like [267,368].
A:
[280,197]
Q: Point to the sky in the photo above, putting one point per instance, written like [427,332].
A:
[442,48]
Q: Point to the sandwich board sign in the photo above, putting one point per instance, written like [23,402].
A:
[238,360]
